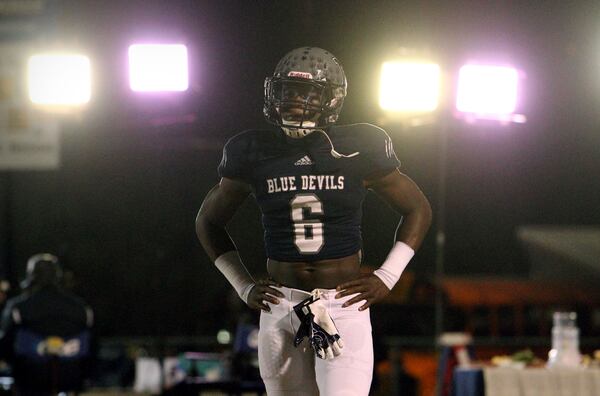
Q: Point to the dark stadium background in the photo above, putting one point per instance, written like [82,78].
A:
[134,168]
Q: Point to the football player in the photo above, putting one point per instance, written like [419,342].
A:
[309,178]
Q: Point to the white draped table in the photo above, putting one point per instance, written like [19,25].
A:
[541,381]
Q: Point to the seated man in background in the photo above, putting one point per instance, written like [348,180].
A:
[45,332]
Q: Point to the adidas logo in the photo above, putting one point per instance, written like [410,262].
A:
[304,161]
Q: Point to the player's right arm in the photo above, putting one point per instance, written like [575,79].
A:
[219,206]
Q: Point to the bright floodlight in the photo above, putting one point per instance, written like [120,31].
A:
[158,67]
[59,80]
[487,90]
[409,86]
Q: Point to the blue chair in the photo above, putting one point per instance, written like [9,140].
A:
[448,361]
[468,382]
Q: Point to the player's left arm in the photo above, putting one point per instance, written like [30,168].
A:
[404,196]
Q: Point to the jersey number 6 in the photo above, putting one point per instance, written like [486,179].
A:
[308,233]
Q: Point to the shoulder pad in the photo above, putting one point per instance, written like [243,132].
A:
[241,151]
[374,144]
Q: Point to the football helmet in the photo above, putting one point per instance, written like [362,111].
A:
[42,268]
[306,91]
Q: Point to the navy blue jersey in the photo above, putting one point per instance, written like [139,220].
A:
[311,202]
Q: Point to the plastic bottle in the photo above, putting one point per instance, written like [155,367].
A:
[565,341]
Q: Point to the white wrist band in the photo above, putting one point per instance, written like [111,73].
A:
[394,264]
[230,264]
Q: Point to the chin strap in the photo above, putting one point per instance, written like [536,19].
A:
[298,133]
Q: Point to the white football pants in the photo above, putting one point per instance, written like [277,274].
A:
[291,371]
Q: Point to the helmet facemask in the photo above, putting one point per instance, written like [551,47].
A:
[301,103]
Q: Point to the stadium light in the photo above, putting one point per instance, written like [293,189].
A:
[488,92]
[410,87]
[158,67]
[59,79]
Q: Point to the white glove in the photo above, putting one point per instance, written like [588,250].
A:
[317,325]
